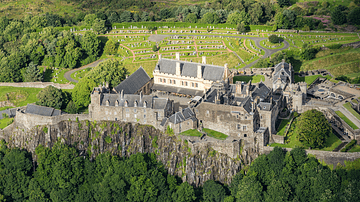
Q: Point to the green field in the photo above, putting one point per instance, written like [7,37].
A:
[215,134]
[19,96]
[350,109]
[5,122]
[246,79]
[343,117]
[192,132]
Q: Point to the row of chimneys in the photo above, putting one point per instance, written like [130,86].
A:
[177,57]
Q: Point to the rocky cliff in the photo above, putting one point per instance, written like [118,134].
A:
[124,139]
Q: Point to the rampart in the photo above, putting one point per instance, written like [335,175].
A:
[278,139]
[328,157]
[38,85]
[31,120]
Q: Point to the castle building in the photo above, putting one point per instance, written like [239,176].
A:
[137,82]
[187,78]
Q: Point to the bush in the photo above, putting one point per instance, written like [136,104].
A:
[274,39]
[349,146]
[50,97]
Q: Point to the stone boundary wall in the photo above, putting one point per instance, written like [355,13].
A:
[354,44]
[39,85]
[328,157]
[278,139]
[31,120]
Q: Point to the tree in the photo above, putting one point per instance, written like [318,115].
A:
[110,47]
[111,70]
[90,43]
[277,191]
[213,191]
[192,18]
[71,108]
[126,16]
[241,27]
[99,25]
[235,183]
[274,39]
[255,13]
[184,193]
[249,190]
[145,16]
[210,18]
[337,16]
[50,97]
[155,48]
[313,128]
[308,53]
[89,19]
[354,16]
[283,3]
[32,73]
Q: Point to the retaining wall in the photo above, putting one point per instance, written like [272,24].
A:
[39,85]
[278,139]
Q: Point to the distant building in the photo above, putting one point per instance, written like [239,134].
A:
[137,82]
[42,111]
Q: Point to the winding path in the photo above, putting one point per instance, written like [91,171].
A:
[268,52]
[67,74]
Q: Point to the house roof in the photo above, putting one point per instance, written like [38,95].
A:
[282,72]
[182,115]
[145,101]
[173,89]
[209,72]
[262,91]
[134,82]
[42,111]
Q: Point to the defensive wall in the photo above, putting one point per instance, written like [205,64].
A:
[39,85]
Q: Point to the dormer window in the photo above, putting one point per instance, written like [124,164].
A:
[145,103]
[135,104]
[107,103]
[117,103]
[126,103]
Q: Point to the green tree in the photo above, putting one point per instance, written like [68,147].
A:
[50,97]
[313,128]
[274,39]
[277,57]
[32,73]
[90,44]
[283,3]
[210,18]
[262,63]
[338,17]
[89,19]
[110,47]
[235,183]
[126,16]
[192,18]
[71,108]
[241,27]
[184,193]
[308,53]
[354,16]
[155,48]
[255,13]
[278,191]
[249,190]
[99,25]
[213,191]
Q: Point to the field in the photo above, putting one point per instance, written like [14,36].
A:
[19,96]
[343,117]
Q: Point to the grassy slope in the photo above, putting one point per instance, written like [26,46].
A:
[282,127]
[5,122]
[343,117]
[350,109]
[19,96]
[215,134]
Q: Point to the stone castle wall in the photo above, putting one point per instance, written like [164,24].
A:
[38,85]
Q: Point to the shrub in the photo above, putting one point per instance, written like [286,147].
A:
[274,39]
[154,142]
[108,139]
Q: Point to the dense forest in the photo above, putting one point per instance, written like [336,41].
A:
[61,174]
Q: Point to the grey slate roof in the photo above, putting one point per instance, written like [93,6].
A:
[209,72]
[262,91]
[134,82]
[10,112]
[265,106]
[41,110]
[173,89]
[182,116]
[148,100]
[282,73]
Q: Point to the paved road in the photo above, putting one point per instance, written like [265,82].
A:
[67,74]
[268,52]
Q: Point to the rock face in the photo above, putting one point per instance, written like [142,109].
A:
[125,139]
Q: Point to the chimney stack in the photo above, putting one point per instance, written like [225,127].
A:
[141,96]
[122,94]
[199,72]
[178,71]
[203,59]
[160,56]
[177,55]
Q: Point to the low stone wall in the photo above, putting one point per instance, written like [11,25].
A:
[38,85]
[354,44]
[278,139]
[333,158]
[31,120]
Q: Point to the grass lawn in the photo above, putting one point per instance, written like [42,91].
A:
[19,96]
[282,127]
[355,148]
[246,79]
[343,117]
[350,109]
[50,75]
[80,73]
[3,108]
[192,132]
[309,79]
[268,45]
[215,134]
[5,122]
[331,143]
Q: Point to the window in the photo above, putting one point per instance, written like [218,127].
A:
[144,116]
[182,83]
[164,80]
[106,112]
[174,81]
[245,117]
[127,110]
[185,83]
[192,85]
[170,81]
[196,85]
[135,110]
[135,116]
[260,117]
[160,80]
[238,126]
[127,115]
[115,119]
[244,127]
[144,110]
[245,135]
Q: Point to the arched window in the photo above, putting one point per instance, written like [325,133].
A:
[135,104]
[107,103]
[126,103]
[145,103]
[117,103]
